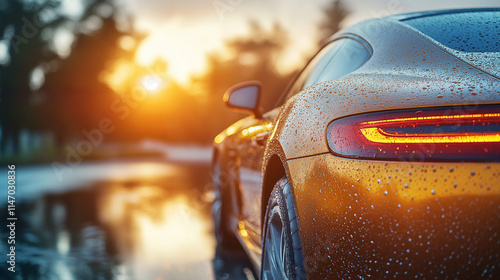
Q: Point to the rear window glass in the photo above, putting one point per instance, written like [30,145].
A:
[466,31]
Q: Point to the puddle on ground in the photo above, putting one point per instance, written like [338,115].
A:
[137,227]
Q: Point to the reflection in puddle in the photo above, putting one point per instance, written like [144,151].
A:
[178,238]
[129,220]
[168,234]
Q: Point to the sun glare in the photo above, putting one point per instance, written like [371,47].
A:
[183,49]
[152,83]
[118,76]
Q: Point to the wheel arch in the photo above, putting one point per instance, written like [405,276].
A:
[275,170]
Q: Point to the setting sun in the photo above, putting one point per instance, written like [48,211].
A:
[152,83]
[184,50]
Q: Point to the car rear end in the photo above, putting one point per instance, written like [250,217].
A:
[396,170]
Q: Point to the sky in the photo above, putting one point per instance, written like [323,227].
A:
[182,32]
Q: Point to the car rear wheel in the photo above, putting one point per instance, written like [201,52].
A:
[282,251]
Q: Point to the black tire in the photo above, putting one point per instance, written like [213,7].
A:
[282,250]
[226,240]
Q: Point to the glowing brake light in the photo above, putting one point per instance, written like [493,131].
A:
[441,134]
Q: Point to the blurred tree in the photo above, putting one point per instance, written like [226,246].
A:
[22,29]
[77,96]
[45,87]
[199,113]
[251,57]
[333,15]
[254,57]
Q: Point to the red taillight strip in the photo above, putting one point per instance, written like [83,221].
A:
[444,133]
[377,135]
[454,117]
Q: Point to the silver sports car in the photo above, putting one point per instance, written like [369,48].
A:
[380,161]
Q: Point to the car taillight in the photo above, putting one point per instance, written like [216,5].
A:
[438,134]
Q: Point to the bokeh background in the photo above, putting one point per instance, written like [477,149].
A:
[108,109]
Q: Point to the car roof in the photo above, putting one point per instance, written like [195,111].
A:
[414,15]
[398,38]
[441,22]
[472,30]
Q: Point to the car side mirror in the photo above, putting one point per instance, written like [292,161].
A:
[245,97]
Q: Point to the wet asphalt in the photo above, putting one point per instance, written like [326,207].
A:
[127,219]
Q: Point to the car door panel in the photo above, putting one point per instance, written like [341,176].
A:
[251,147]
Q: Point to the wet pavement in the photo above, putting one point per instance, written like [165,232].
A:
[136,219]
